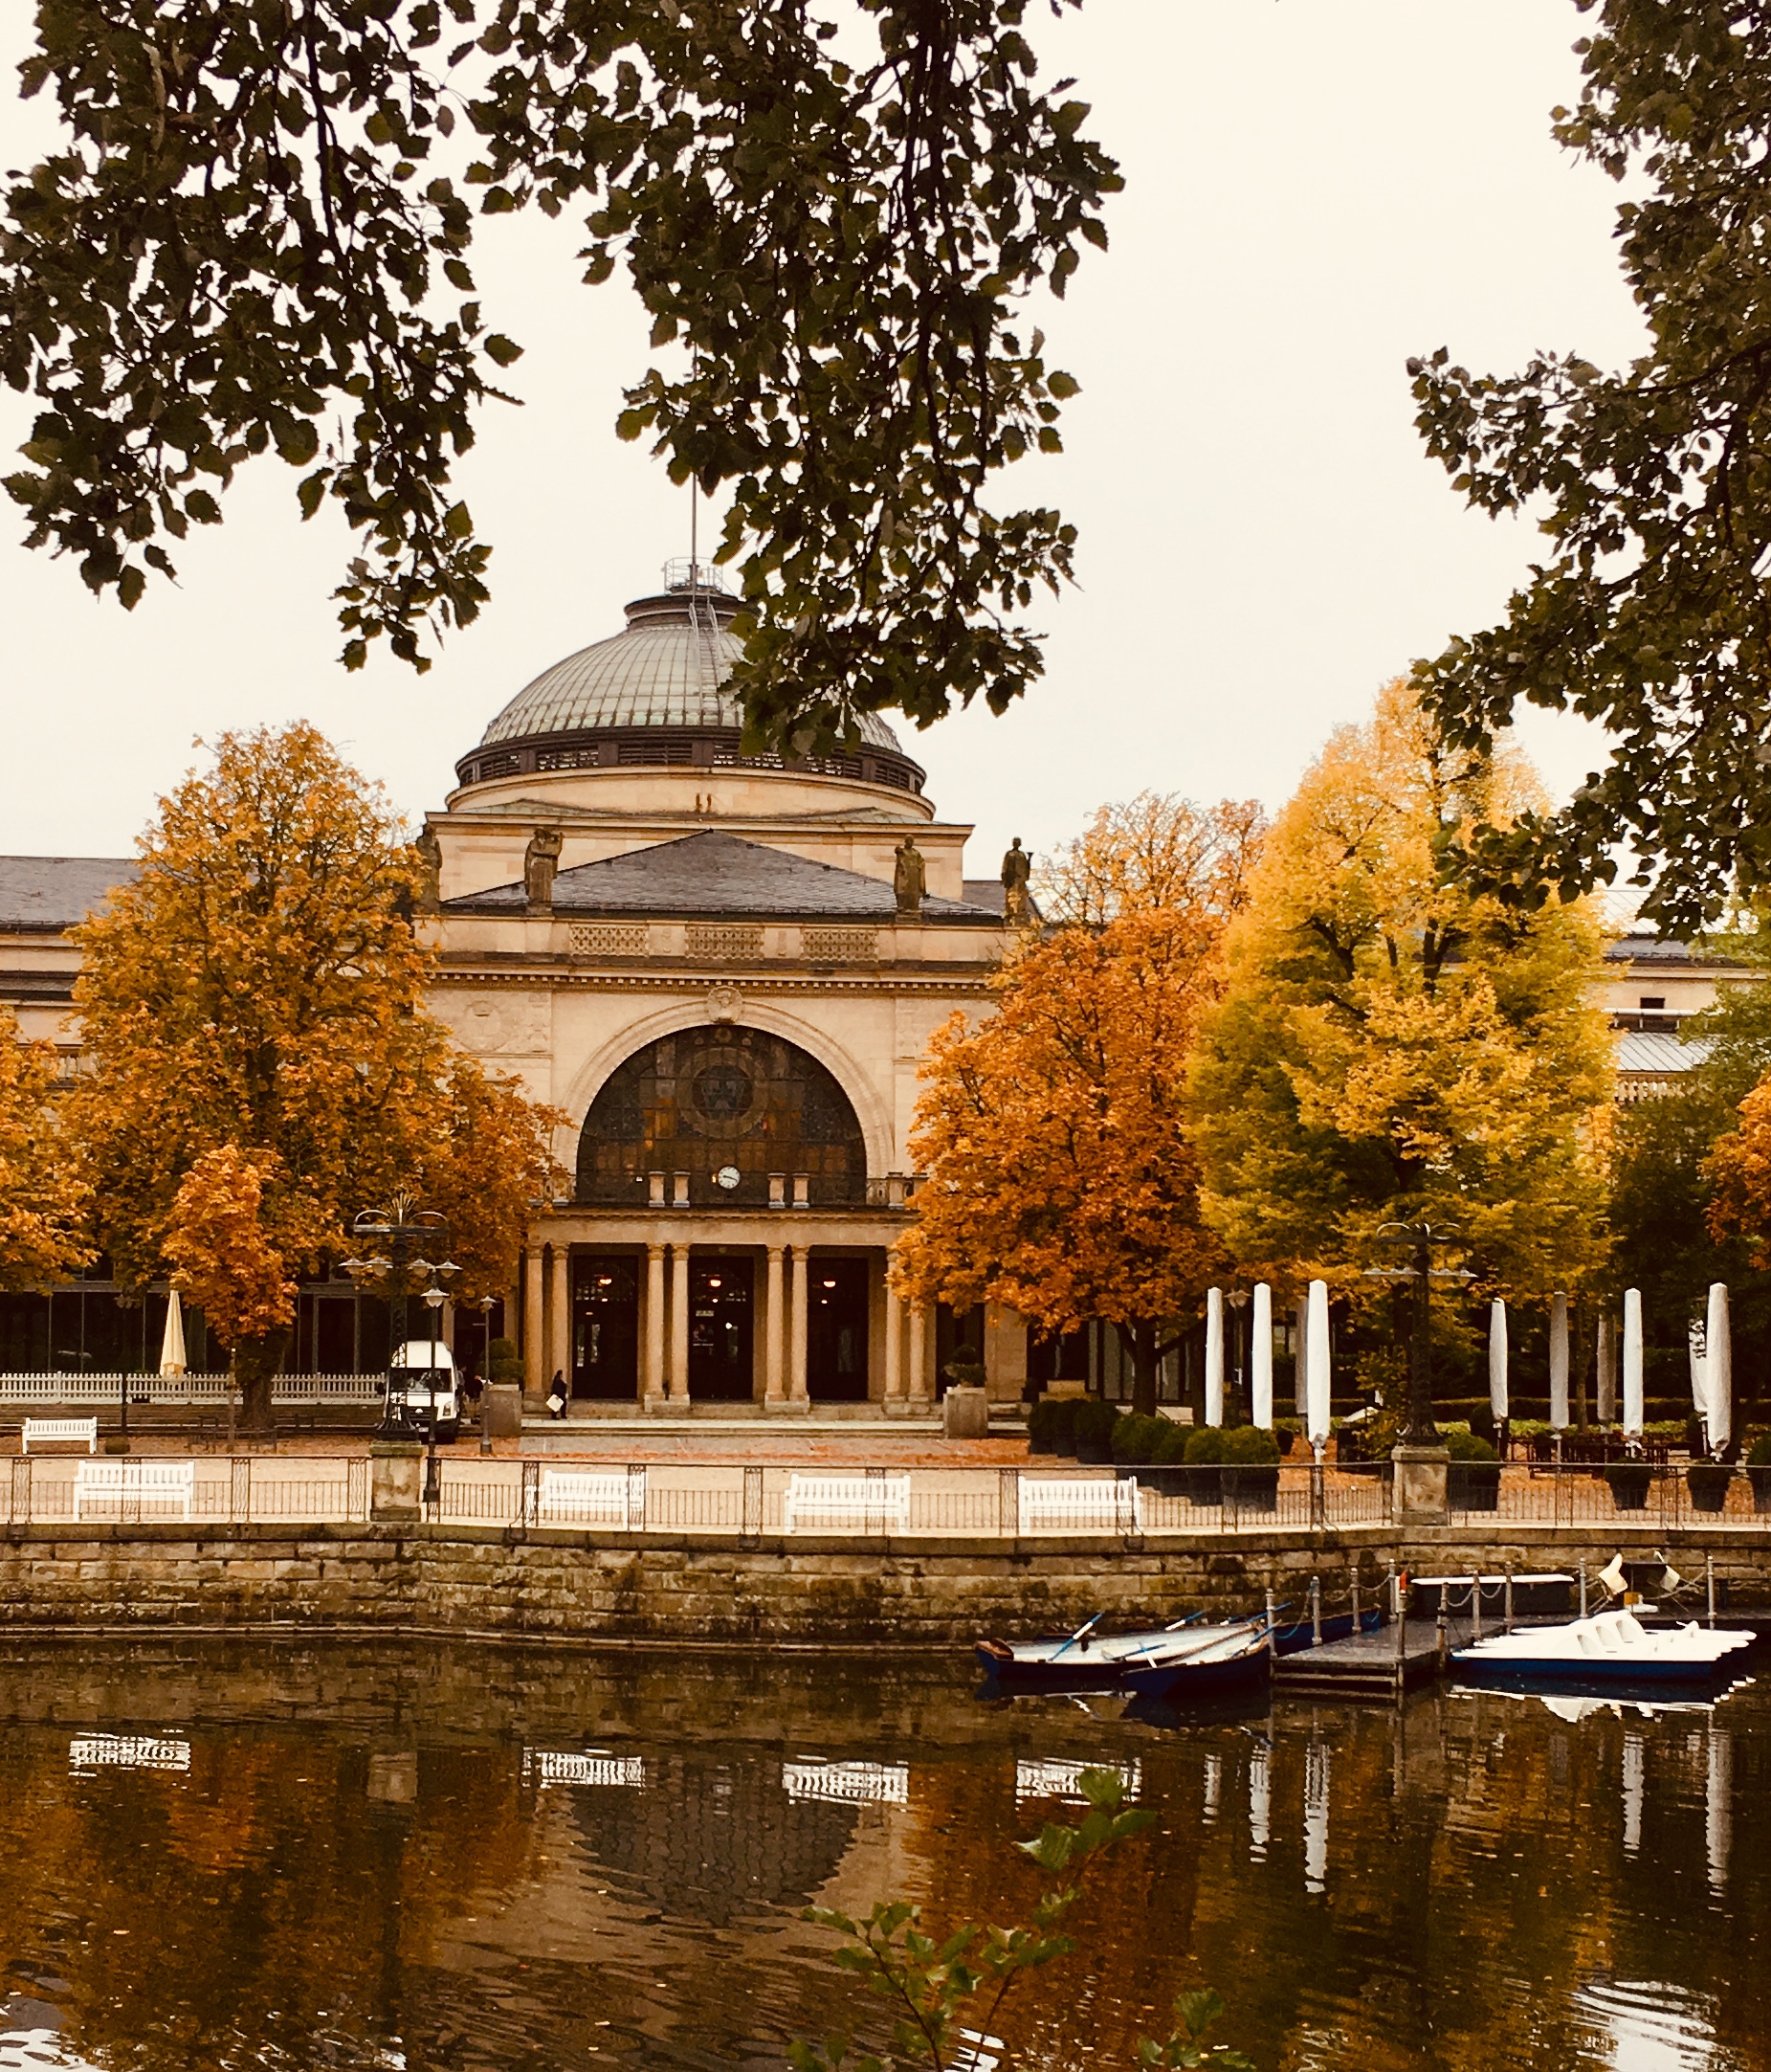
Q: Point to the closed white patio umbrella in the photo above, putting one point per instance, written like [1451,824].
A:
[172,1340]
[1559,1361]
[1260,1358]
[1498,1359]
[1719,1370]
[1632,1363]
[1214,1355]
[1315,1352]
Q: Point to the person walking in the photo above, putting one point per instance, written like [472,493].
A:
[557,1396]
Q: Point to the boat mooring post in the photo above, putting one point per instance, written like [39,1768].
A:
[1316,1610]
[1708,1585]
[1271,1637]
[1402,1621]
[1506,1611]
[1475,1607]
[1582,1590]
[1356,1624]
[1444,1648]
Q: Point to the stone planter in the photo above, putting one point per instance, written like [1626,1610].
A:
[500,1409]
[1629,1486]
[1707,1481]
[1251,1488]
[1044,1445]
[1474,1486]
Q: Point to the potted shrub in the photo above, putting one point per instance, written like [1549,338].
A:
[1708,1481]
[1758,1471]
[1630,1483]
[1042,1426]
[1205,1453]
[1286,1433]
[1135,1441]
[1096,1418]
[1166,1472]
[1252,1469]
[1473,1478]
[1062,1426]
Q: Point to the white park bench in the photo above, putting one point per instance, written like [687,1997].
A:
[60,1431]
[162,1487]
[840,1500]
[586,1496]
[1084,1503]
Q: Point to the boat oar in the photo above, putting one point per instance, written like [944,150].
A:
[1076,1636]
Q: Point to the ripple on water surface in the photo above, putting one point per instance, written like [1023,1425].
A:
[504,1861]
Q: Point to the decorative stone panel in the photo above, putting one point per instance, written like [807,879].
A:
[721,945]
[839,945]
[609,938]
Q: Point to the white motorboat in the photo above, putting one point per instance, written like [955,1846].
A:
[1611,1647]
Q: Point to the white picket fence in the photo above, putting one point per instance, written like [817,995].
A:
[187,1389]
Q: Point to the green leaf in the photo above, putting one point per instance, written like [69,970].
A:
[503,350]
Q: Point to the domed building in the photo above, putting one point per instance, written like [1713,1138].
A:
[724,966]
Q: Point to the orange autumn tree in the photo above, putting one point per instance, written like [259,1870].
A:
[43,1196]
[1740,1173]
[263,1061]
[1061,1174]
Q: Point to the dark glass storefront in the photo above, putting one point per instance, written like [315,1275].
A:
[605,1327]
[836,1332]
[721,1340]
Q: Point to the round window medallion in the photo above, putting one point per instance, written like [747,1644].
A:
[723,1091]
[728,1176]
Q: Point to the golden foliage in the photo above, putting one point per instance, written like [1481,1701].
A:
[1061,1176]
[1739,1172]
[259,991]
[220,1251]
[43,1196]
[1389,1045]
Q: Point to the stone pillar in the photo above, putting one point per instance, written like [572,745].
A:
[553,1332]
[652,1379]
[893,1391]
[774,1331]
[1422,1492]
[534,1351]
[678,1387]
[796,1350]
[922,1385]
[396,1481]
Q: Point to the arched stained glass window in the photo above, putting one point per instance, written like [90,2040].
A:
[728,1107]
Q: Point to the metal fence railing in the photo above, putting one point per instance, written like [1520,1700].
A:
[1666,1495]
[748,1501]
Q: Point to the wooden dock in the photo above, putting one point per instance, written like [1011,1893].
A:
[1380,1664]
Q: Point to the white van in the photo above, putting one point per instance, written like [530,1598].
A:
[424,1389]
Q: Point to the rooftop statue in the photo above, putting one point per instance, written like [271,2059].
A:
[1017,902]
[540,861]
[910,880]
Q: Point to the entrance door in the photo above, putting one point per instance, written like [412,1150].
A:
[836,1332]
[605,1327]
[719,1329]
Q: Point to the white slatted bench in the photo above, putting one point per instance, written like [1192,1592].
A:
[588,1497]
[147,1489]
[840,1500]
[1086,1504]
[60,1431]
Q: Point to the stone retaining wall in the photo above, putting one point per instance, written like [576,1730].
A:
[707,1589]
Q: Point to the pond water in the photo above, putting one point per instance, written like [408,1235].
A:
[215,1855]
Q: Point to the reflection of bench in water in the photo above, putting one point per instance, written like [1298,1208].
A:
[1036,1779]
[850,1784]
[127,1751]
[846,1502]
[542,1767]
[140,1489]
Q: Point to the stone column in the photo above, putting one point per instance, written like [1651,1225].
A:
[552,1328]
[893,1391]
[796,1351]
[920,1382]
[534,1351]
[679,1388]
[774,1332]
[652,1379]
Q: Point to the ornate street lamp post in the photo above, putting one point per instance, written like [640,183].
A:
[401,1269]
[1238,1300]
[1422,1241]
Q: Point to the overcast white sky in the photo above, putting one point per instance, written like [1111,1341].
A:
[1315,190]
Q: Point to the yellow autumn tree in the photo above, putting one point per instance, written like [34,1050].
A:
[1061,1176]
[1390,1046]
[43,1196]
[264,1063]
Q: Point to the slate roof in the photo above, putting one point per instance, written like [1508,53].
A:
[44,895]
[715,873]
[1658,950]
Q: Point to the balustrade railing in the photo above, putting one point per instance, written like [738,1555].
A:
[184,1389]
